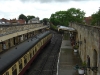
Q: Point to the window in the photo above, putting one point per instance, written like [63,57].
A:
[20,64]
[30,54]
[33,52]
[38,44]
[14,67]
[25,59]
[41,42]
[14,70]
[35,49]
[7,73]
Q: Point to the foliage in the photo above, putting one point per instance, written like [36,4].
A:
[41,21]
[30,17]
[53,27]
[96,18]
[45,21]
[64,17]
[23,17]
[84,64]
[76,46]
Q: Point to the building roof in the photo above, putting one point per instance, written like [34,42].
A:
[13,20]
[66,28]
[35,19]
[10,57]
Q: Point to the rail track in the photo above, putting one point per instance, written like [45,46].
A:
[46,62]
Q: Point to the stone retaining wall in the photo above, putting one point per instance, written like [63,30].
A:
[89,37]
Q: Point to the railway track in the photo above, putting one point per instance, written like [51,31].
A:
[46,62]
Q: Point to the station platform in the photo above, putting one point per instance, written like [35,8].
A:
[67,59]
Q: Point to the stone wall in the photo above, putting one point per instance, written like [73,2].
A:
[89,44]
[11,35]
[9,29]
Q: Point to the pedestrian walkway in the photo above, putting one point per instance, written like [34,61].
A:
[67,59]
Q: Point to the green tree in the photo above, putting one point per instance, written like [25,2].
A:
[96,18]
[30,17]
[76,15]
[58,18]
[41,21]
[45,21]
[64,17]
[23,17]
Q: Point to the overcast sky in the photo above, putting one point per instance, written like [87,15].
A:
[44,8]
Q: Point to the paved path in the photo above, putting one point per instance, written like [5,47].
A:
[67,59]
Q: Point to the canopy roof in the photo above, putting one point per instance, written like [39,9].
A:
[66,28]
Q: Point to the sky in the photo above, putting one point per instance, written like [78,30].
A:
[11,9]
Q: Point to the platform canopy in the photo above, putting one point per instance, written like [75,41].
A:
[66,28]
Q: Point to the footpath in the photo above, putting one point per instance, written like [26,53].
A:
[67,58]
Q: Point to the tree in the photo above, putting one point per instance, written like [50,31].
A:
[41,21]
[30,17]
[23,17]
[64,17]
[76,15]
[96,18]
[45,21]
[58,18]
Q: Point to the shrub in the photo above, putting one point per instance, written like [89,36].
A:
[76,47]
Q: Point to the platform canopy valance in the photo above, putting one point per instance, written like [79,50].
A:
[66,28]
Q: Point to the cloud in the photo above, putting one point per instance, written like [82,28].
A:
[44,8]
[46,1]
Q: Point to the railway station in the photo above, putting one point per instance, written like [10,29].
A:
[46,52]
[50,37]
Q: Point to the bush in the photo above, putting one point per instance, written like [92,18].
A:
[53,27]
[76,47]
[84,64]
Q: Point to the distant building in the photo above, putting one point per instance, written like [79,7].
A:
[4,21]
[34,20]
[13,21]
[20,21]
[16,22]
[0,22]
[8,22]
[87,20]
